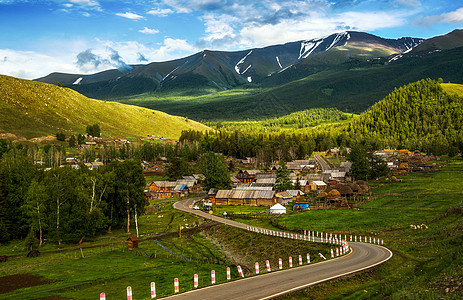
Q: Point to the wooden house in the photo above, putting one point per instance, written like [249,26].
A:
[284,197]
[245,197]
[317,185]
[132,242]
[247,176]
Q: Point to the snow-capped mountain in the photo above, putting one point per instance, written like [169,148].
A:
[221,70]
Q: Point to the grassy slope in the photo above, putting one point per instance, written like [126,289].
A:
[425,262]
[453,88]
[33,109]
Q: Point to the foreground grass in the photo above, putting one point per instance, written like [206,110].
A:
[419,199]
[426,263]
[83,274]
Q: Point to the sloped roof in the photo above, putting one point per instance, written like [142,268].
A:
[165,184]
[295,193]
[245,194]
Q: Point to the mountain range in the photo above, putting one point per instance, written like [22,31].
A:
[348,70]
[224,70]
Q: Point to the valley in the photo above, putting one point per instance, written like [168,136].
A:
[100,195]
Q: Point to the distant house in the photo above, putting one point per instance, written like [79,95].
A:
[247,176]
[235,181]
[284,197]
[317,185]
[296,194]
[304,184]
[94,165]
[163,189]
[245,197]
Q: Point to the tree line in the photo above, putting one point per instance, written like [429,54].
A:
[64,204]
[419,116]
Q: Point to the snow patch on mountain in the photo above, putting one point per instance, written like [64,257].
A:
[78,81]
[338,38]
[170,73]
[308,47]
[278,61]
[237,66]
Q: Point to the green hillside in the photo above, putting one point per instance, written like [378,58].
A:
[420,115]
[32,109]
[298,122]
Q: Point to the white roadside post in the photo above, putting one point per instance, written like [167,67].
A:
[102,296]
[300,260]
[213,276]
[290,262]
[308,258]
[267,264]
[228,274]
[176,287]
[332,253]
[195,280]
[240,271]
[153,290]
[280,263]
[257,267]
[129,293]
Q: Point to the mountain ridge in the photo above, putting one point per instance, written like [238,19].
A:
[210,70]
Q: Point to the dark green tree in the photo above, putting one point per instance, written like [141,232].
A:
[60,136]
[283,182]
[72,141]
[360,168]
[178,167]
[215,171]
[80,139]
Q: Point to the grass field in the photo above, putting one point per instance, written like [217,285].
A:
[419,199]
[109,268]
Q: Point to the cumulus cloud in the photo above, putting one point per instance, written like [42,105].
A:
[130,16]
[147,30]
[32,65]
[89,61]
[160,12]
[450,17]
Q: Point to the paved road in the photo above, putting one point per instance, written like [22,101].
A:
[325,166]
[273,284]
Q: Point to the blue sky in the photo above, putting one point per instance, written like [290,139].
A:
[86,36]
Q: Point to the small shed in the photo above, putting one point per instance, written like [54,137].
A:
[132,242]
[278,209]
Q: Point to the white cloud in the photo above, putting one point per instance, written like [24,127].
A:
[160,12]
[450,17]
[130,16]
[32,65]
[147,30]
[85,2]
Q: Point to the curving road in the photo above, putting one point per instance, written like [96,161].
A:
[267,286]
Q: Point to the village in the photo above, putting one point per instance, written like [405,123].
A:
[313,186]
